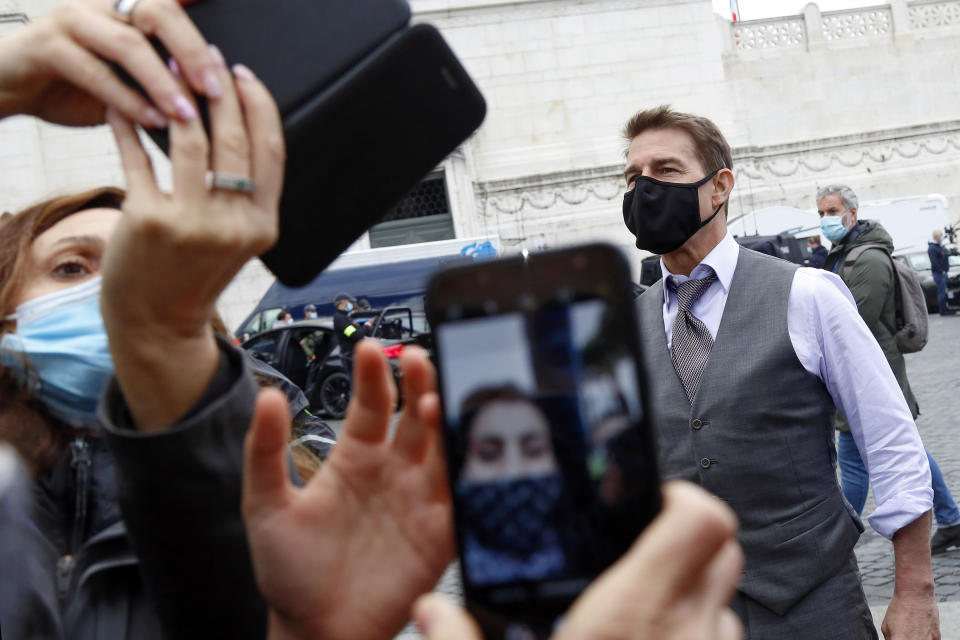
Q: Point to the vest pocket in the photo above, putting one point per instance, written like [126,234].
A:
[788,560]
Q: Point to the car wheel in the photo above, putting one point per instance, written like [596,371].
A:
[335,394]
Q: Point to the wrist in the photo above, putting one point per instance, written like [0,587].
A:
[161,379]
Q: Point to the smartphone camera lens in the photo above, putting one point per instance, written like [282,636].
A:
[489,307]
[527,302]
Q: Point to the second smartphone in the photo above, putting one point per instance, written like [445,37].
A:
[551,461]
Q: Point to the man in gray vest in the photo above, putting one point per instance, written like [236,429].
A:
[747,358]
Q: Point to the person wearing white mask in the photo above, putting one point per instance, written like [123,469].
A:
[872,281]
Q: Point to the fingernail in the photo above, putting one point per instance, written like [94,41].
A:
[243,72]
[155,118]
[174,66]
[217,56]
[184,108]
[211,84]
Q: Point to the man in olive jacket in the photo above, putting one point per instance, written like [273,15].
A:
[872,281]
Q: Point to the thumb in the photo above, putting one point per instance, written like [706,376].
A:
[265,474]
[440,619]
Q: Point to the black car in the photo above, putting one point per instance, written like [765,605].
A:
[307,352]
[920,261]
[782,245]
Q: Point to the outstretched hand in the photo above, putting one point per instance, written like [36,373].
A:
[674,584]
[347,555]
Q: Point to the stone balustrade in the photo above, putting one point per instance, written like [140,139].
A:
[813,28]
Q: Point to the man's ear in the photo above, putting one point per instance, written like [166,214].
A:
[722,186]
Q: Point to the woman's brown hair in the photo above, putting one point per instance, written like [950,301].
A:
[23,422]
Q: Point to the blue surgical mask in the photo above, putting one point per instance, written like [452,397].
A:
[832,228]
[60,350]
[349,307]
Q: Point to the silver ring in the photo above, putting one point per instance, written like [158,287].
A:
[230,182]
[124,7]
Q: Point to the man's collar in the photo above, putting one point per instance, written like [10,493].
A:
[722,259]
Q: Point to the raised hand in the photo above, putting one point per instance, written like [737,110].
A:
[347,555]
[172,254]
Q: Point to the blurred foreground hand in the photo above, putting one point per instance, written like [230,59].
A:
[674,584]
[347,555]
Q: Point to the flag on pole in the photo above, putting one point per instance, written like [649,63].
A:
[734,11]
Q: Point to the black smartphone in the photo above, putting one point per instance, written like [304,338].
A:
[551,462]
[370,106]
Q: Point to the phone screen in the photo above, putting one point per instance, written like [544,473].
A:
[551,466]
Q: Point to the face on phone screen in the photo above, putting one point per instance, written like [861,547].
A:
[550,468]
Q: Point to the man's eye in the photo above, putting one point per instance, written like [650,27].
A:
[668,170]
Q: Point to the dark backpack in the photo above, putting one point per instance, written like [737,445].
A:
[911,305]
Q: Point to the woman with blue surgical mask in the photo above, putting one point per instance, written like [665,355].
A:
[126,409]
[130,413]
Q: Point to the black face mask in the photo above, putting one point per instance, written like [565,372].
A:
[516,516]
[664,215]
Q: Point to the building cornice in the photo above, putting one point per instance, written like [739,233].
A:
[447,14]
[770,163]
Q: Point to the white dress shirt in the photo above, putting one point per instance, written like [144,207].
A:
[833,343]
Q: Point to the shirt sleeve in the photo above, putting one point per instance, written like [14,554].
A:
[832,342]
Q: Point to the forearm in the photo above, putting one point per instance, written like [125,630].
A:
[179,491]
[161,376]
[911,549]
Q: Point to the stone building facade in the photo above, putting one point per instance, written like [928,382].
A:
[868,97]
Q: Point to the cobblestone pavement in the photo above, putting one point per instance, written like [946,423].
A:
[935,378]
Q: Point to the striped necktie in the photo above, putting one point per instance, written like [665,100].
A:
[692,341]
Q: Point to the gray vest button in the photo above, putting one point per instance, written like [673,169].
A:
[696,423]
[705,463]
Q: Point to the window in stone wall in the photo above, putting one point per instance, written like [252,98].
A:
[422,216]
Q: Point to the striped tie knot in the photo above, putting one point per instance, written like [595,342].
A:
[690,291]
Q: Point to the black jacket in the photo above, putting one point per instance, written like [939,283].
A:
[939,262]
[349,333]
[818,256]
[139,535]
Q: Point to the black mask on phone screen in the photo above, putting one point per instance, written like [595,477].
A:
[515,516]
[664,215]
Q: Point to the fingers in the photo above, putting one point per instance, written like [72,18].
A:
[688,533]
[136,162]
[189,150]
[265,475]
[723,575]
[230,146]
[81,68]
[368,414]
[120,43]
[728,627]
[173,27]
[440,619]
[267,149]
[415,429]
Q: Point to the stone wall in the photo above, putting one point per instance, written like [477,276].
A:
[865,97]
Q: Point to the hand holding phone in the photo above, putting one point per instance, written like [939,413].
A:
[675,583]
[551,464]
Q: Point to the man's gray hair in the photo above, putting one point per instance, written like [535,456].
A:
[846,194]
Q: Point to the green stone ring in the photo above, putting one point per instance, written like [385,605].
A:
[229,182]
